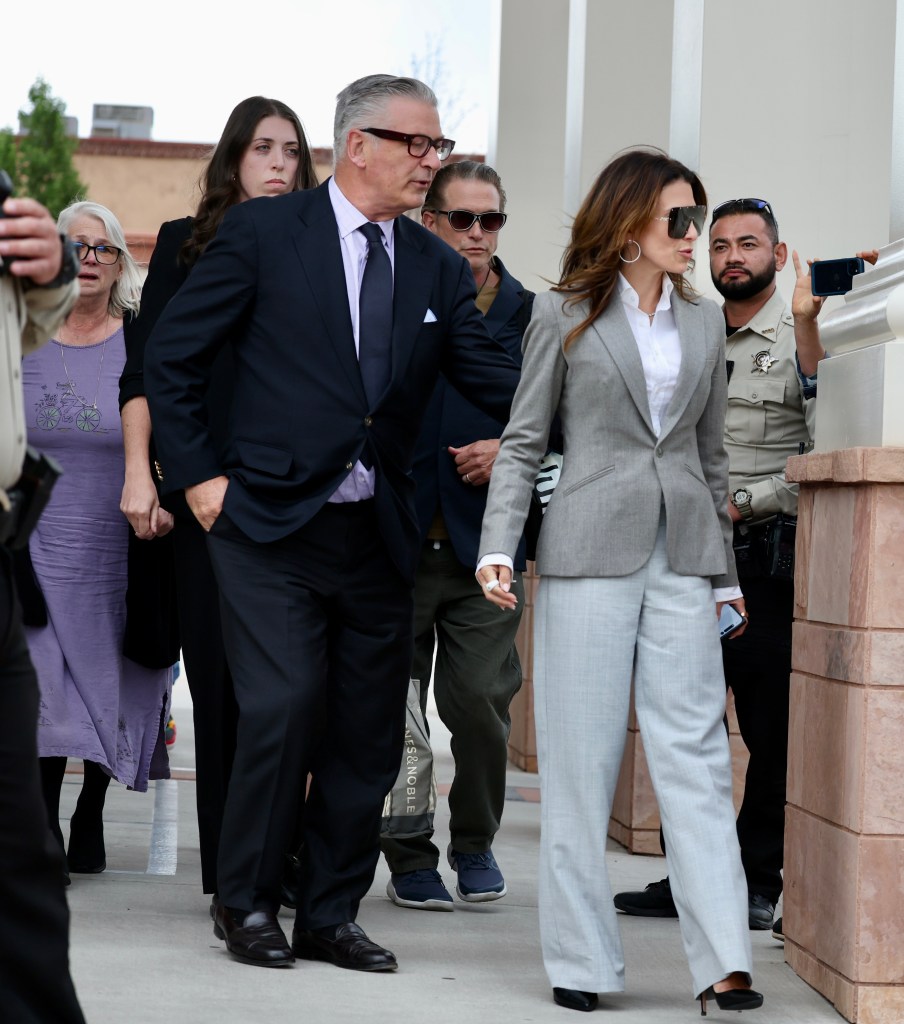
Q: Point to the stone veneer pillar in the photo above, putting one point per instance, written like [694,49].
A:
[844,841]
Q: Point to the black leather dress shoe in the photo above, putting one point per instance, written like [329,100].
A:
[258,940]
[574,999]
[348,947]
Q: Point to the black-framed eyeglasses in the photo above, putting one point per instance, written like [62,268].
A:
[733,206]
[463,220]
[102,253]
[418,145]
[680,219]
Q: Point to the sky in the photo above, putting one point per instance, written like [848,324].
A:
[193,66]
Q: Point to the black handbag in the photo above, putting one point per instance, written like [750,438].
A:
[152,625]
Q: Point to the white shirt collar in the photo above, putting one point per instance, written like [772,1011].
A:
[630,297]
[349,218]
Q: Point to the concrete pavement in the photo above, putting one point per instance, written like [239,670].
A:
[143,951]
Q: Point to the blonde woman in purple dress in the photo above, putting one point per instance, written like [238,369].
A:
[96,704]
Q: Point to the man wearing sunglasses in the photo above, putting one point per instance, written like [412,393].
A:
[772,351]
[477,669]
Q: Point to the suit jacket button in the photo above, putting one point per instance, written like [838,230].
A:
[659,452]
[349,465]
[368,421]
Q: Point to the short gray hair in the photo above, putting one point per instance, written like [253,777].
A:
[126,292]
[362,102]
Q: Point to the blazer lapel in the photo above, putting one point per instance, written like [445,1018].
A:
[412,284]
[506,304]
[689,320]
[614,332]
[320,254]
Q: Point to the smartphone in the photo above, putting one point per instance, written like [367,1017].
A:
[730,621]
[834,277]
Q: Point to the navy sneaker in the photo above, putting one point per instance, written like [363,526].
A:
[420,890]
[479,877]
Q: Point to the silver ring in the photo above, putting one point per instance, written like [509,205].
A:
[467,478]
[492,585]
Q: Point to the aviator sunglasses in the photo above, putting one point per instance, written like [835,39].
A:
[462,220]
[731,206]
[680,219]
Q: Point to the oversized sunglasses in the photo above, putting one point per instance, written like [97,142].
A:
[462,220]
[680,219]
[418,145]
[731,206]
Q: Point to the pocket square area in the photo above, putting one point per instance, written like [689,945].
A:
[430,318]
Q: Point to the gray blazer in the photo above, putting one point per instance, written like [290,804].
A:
[603,517]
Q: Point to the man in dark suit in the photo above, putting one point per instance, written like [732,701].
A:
[347,314]
[477,667]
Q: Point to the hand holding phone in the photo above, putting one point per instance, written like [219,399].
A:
[834,277]
[730,621]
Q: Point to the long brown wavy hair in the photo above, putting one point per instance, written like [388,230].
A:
[620,203]
[219,181]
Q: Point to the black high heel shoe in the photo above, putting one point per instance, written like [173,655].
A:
[731,999]
[574,999]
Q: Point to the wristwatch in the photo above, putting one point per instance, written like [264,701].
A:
[741,501]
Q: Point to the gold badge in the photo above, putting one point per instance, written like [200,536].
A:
[762,362]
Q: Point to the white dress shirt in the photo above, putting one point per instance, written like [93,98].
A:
[359,484]
[658,343]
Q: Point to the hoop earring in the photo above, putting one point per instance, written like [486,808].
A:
[631,241]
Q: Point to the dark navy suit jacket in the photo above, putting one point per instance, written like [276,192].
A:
[453,420]
[272,285]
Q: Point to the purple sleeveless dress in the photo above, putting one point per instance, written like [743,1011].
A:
[95,703]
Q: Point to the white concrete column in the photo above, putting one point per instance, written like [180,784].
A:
[578,81]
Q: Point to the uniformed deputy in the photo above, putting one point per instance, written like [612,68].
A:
[772,352]
[37,289]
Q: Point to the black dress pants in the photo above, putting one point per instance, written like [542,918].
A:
[213,699]
[318,631]
[35,985]
[758,670]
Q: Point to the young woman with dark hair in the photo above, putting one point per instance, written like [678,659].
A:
[262,152]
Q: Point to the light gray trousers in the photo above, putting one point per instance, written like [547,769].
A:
[589,636]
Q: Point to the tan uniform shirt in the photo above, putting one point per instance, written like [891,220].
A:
[28,317]
[768,416]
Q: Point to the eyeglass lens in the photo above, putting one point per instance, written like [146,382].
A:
[462,220]
[419,145]
[102,253]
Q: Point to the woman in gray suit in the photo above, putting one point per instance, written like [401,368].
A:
[636,561]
